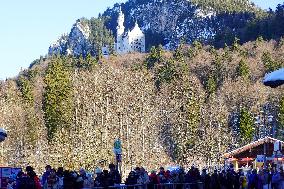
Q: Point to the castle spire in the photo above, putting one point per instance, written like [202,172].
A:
[120,22]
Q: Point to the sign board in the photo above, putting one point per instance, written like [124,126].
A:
[260,158]
[6,173]
[277,146]
[117,147]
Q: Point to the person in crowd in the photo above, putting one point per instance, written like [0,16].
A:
[205,178]
[23,181]
[174,177]
[252,184]
[68,180]
[114,175]
[222,179]
[181,175]
[138,175]
[131,180]
[107,180]
[275,179]
[60,177]
[99,178]
[52,180]
[45,176]
[141,175]
[144,176]
[215,180]
[243,180]
[88,181]
[281,182]
[78,180]
[266,178]
[153,180]
[162,176]
[232,179]
[32,175]
[260,179]
[168,175]
[192,177]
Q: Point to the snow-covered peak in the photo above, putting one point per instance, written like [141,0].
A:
[204,14]
[75,43]
[60,40]
[83,28]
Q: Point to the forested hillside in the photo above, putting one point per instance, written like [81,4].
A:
[187,106]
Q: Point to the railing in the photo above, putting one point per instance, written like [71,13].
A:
[197,185]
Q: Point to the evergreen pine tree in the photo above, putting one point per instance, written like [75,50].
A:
[243,69]
[211,85]
[269,64]
[155,56]
[246,125]
[58,97]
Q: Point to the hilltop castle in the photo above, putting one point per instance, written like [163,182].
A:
[130,41]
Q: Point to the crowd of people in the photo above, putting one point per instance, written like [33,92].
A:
[193,179]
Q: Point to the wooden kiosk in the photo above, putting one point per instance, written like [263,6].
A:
[263,152]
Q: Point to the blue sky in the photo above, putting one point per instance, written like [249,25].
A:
[29,27]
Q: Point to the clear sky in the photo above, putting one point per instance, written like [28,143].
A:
[29,27]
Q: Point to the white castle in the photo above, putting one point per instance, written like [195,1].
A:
[130,41]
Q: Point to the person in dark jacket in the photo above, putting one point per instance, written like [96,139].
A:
[162,176]
[205,178]
[33,176]
[99,178]
[68,180]
[23,181]
[252,180]
[215,184]
[106,179]
[131,180]
[114,175]
[153,180]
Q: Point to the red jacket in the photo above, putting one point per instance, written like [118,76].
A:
[154,179]
[37,182]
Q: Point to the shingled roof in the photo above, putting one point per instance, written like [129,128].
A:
[251,145]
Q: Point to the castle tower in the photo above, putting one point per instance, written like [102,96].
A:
[120,31]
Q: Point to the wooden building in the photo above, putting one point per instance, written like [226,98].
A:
[266,150]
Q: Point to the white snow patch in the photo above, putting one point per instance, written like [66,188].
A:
[274,76]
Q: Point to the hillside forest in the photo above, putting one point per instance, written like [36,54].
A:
[188,106]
